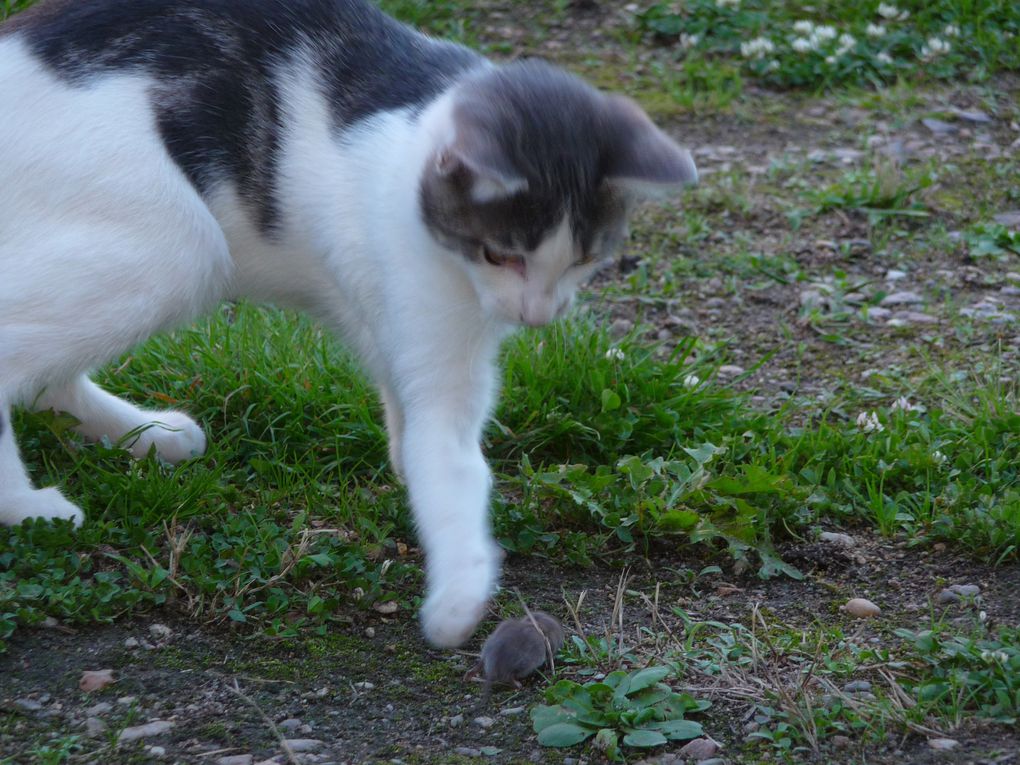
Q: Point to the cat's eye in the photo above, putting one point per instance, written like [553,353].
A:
[502,259]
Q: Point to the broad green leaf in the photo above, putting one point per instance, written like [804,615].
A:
[564,734]
[544,716]
[647,677]
[676,730]
[644,738]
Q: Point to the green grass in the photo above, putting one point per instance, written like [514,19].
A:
[602,448]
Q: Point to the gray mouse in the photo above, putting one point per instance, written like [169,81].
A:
[517,648]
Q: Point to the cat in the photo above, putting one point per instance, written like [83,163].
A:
[160,156]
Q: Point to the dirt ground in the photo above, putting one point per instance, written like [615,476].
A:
[374,692]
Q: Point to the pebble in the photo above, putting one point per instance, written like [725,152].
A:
[938,127]
[160,631]
[878,314]
[467,751]
[154,728]
[131,642]
[836,538]
[155,751]
[621,327]
[126,700]
[99,709]
[731,370]
[456,721]
[699,749]
[94,727]
[291,723]
[235,759]
[894,275]
[484,722]
[365,685]
[1010,219]
[95,680]
[303,744]
[943,744]
[28,705]
[370,632]
[972,115]
[857,686]
[916,317]
[902,298]
[966,590]
[841,742]
[861,608]
[510,711]
[947,596]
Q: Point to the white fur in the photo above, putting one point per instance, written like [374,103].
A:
[103,242]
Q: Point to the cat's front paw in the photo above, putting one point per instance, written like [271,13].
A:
[176,436]
[47,504]
[454,607]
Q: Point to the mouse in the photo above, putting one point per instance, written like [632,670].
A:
[516,648]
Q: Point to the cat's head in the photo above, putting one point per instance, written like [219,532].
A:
[532,186]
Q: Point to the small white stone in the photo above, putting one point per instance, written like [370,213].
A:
[235,759]
[131,642]
[484,722]
[155,751]
[160,631]
[291,723]
[303,744]
[154,728]
[861,608]
[731,370]
[838,539]
[894,275]
[902,298]
[456,721]
[943,744]
[94,727]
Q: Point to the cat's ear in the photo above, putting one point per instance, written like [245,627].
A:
[642,159]
[475,155]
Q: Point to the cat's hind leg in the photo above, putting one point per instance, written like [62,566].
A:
[100,414]
[18,499]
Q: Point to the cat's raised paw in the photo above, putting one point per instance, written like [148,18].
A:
[176,436]
[47,504]
[453,610]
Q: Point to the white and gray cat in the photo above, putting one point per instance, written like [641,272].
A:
[159,156]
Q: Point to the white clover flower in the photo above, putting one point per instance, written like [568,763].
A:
[772,66]
[883,58]
[692,381]
[934,48]
[728,3]
[939,458]
[615,354]
[759,47]
[689,41]
[891,12]
[830,60]
[951,30]
[803,27]
[847,41]
[802,45]
[903,403]
[824,33]
[874,30]
[868,422]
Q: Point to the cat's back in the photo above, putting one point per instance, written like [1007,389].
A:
[217,71]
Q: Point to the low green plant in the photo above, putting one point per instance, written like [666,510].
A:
[636,706]
[991,240]
[967,673]
[797,44]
